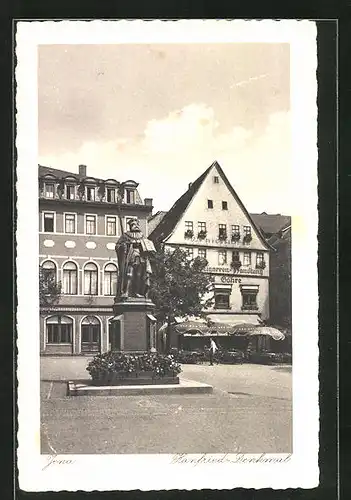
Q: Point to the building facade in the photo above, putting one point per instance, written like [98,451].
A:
[80,219]
[211,222]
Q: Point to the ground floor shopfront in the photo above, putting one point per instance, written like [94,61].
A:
[71,331]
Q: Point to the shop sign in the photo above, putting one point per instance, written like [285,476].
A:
[230,279]
[228,270]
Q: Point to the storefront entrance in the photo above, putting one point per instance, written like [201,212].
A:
[91,335]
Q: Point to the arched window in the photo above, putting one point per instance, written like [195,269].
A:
[90,279]
[48,270]
[70,275]
[59,330]
[110,279]
[90,334]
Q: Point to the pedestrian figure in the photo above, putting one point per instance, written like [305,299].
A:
[213,349]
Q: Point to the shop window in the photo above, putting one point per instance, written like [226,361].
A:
[111,225]
[249,298]
[69,279]
[222,301]
[59,330]
[49,222]
[49,190]
[209,203]
[110,279]
[222,257]
[224,205]
[70,223]
[111,195]
[90,279]
[90,224]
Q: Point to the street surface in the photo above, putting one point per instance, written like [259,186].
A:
[250,411]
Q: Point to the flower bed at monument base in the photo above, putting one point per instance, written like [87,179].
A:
[116,368]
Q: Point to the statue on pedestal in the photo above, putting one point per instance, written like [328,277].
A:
[133,254]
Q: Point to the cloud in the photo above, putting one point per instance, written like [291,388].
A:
[176,149]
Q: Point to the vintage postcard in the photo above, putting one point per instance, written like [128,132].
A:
[166,266]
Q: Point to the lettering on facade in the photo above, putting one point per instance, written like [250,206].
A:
[230,279]
[227,270]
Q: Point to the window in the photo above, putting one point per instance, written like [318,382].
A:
[49,222]
[222,231]
[70,192]
[201,226]
[188,226]
[110,279]
[90,193]
[249,297]
[130,196]
[189,252]
[202,253]
[70,223]
[216,179]
[59,330]
[247,258]
[235,229]
[235,255]
[209,203]
[49,190]
[111,195]
[259,259]
[224,205]
[90,224]
[222,301]
[70,275]
[247,230]
[111,225]
[90,279]
[48,270]
[222,257]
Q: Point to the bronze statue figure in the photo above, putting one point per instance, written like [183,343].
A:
[133,254]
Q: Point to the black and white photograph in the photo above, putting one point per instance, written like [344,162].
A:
[167,255]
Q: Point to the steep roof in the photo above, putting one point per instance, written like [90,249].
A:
[271,223]
[170,220]
[155,219]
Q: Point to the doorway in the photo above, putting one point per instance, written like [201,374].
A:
[91,335]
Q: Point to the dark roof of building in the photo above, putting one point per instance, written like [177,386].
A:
[172,217]
[271,223]
[155,219]
[61,174]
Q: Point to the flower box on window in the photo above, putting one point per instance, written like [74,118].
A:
[189,233]
[247,238]
[235,237]
[235,264]
[261,265]
[202,235]
[222,236]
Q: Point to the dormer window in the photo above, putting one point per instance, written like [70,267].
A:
[130,196]
[70,192]
[49,190]
[111,195]
[90,193]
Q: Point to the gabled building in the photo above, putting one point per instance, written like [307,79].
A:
[80,219]
[271,224]
[210,221]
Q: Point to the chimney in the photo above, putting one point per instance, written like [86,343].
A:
[190,184]
[148,202]
[82,170]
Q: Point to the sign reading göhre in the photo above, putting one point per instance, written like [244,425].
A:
[227,270]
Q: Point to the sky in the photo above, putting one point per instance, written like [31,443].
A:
[161,114]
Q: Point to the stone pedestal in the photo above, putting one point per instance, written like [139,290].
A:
[134,326]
